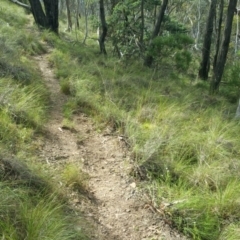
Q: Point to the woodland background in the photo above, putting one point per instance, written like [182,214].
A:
[163,74]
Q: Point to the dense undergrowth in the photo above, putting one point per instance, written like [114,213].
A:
[30,207]
[185,141]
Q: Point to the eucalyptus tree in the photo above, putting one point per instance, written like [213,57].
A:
[223,50]
[103,28]
[77,14]
[237,28]
[86,8]
[218,30]
[149,58]
[69,28]
[206,49]
[46,17]
[142,26]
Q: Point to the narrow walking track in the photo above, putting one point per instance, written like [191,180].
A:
[114,208]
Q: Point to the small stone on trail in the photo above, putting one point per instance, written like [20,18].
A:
[76,200]
[133,185]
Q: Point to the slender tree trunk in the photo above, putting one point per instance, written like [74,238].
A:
[92,7]
[204,68]
[77,14]
[237,31]
[222,56]
[104,28]
[142,26]
[154,15]
[86,23]
[51,9]
[219,31]
[149,58]
[60,7]
[198,24]
[69,17]
[47,19]
[38,13]
[160,19]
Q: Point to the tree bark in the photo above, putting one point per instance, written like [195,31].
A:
[51,9]
[38,13]
[222,56]
[18,169]
[219,31]
[205,63]
[198,25]
[77,14]
[237,30]
[149,58]
[104,28]
[142,26]
[69,17]
[47,19]
[86,23]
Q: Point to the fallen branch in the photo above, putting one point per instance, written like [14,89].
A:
[21,4]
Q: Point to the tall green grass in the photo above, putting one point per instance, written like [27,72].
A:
[27,216]
[26,211]
[23,96]
[184,140]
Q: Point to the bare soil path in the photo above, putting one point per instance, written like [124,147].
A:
[114,207]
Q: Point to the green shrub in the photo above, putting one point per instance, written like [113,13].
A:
[183,60]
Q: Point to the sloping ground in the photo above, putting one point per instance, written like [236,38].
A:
[112,204]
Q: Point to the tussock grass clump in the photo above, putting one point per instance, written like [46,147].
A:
[23,97]
[22,110]
[20,41]
[231,232]
[75,178]
[23,216]
[59,61]
[65,87]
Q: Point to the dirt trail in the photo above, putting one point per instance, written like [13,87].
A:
[114,207]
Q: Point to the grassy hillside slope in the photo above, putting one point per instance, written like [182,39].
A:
[185,142]
[29,206]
